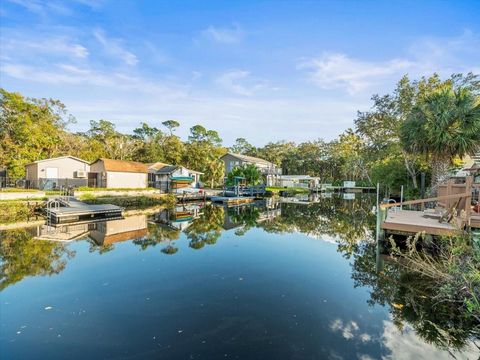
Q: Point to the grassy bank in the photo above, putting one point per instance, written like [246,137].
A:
[18,211]
[131,202]
[84,188]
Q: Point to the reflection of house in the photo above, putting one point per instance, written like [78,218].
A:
[172,178]
[110,232]
[180,218]
[234,218]
[303,181]
[108,173]
[269,170]
[54,172]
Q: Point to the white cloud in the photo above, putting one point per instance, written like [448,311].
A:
[240,82]
[340,71]
[114,48]
[224,35]
[348,330]
[424,57]
[58,7]
[408,345]
[14,45]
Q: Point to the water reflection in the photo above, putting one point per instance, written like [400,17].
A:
[22,256]
[414,318]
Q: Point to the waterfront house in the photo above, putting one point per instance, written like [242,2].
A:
[269,170]
[173,178]
[54,172]
[108,173]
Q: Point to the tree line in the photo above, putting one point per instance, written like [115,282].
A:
[425,125]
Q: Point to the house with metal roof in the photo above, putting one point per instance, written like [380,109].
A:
[173,178]
[108,173]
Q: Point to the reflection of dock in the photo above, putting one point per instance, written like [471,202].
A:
[64,233]
[68,209]
[237,200]
[103,233]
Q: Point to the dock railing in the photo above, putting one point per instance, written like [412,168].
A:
[452,199]
[436,205]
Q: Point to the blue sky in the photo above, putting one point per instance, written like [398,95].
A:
[263,70]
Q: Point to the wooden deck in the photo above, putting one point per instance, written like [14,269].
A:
[412,222]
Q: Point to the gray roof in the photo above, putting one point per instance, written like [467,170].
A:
[250,159]
[167,169]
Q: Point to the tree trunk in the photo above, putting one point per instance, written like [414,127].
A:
[411,172]
[440,171]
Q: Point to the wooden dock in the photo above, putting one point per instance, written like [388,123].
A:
[412,222]
[68,209]
[447,214]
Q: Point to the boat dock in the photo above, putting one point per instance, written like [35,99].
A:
[448,214]
[68,209]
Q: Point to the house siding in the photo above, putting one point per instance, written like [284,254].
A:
[65,169]
[126,180]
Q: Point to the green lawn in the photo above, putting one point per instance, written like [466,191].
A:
[14,190]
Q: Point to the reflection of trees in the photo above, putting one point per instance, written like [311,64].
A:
[158,234]
[207,229]
[245,215]
[348,221]
[413,299]
[100,248]
[22,256]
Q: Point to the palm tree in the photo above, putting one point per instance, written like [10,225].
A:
[443,125]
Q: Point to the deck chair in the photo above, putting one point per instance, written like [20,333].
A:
[450,213]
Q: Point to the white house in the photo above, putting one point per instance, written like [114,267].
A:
[108,173]
[59,171]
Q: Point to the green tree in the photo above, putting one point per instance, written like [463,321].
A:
[248,171]
[444,124]
[242,146]
[202,153]
[30,129]
[116,145]
[149,148]
[171,125]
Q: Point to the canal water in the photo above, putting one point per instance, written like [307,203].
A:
[295,278]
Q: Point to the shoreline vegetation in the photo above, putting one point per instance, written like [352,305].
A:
[392,143]
[450,267]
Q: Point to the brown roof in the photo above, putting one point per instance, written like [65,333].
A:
[156,166]
[123,166]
